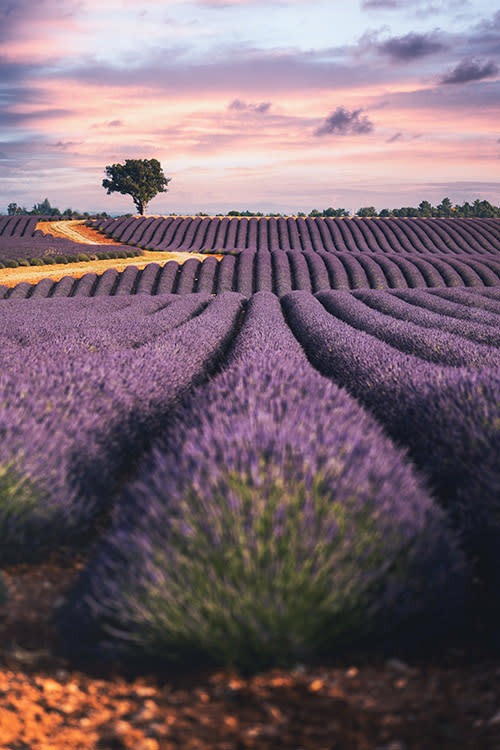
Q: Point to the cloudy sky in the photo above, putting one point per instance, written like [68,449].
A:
[281,105]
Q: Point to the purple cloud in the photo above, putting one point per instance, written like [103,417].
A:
[343,122]
[237,104]
[20,119]
[471,70]
[241,106]
[394,138]
[412,46]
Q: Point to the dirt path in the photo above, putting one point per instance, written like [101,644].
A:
[77,231]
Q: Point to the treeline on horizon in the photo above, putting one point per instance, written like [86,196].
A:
[478,209]
[45,210]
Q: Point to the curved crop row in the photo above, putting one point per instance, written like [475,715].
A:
[395,235]
[418,307]
[444,344]
[17,226]
[279,272]
[447,417]
[273,522]
[78,403]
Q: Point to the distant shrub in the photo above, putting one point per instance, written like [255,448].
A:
[36,262]
[11,263]
[120,254]
[60,259]
[23,262]
[2,264]
[71,258]
[102,256]
[48,260]
[82,257]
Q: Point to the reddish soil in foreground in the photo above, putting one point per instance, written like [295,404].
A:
[448,701]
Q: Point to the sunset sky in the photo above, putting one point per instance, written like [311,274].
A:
[271,106]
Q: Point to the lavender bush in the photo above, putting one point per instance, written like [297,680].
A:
[422,309]
[274,522]
[78,406]
[447,417]
[429,343]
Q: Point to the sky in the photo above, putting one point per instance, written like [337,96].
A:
[275,106]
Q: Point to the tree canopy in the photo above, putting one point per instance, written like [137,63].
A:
[142,179]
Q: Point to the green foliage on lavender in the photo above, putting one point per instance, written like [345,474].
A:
[20,502]
[288,573]
[36,262]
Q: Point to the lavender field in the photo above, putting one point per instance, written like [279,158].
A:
[284,255]
[21,240]
[269,458]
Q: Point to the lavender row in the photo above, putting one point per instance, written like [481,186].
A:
[84,325]
[18,226]
[468,318]
[447,417]
[77,407]
[395,235]
[273,522]
[485,299]
[279,272]
[432,338]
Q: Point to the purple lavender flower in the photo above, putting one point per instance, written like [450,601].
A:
[272,522]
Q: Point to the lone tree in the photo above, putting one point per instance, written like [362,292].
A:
[140,178]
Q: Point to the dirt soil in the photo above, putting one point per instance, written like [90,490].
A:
[446,701]
[86,236]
